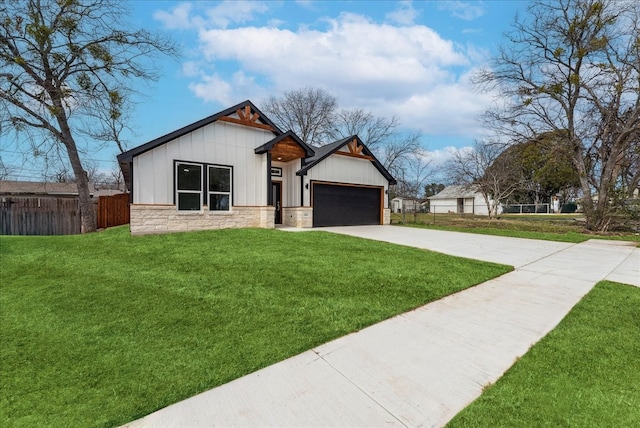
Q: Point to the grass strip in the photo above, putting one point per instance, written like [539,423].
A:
[101,329]
[560,227]
[584,373]
[570,236]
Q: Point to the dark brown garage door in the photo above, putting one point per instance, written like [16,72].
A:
[339,205]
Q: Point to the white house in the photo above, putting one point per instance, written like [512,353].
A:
[406,205]
[460,200]
[237,169]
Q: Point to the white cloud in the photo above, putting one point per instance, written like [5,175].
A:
[440,157]
[191,69]
[463,10]
[229,12]
[177,18]
[409,70]
[405,14]
[389,60]
[213,88]
[184,17]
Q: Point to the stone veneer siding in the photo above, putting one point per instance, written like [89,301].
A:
[147,219]
[297,216]
[386,216]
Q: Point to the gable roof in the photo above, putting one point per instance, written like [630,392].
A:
[324,152]
[126,157]
[289,134]
[456,191]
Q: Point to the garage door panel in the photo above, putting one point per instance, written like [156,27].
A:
[338,205]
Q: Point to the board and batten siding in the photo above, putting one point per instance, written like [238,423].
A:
[347,170]
[220,143]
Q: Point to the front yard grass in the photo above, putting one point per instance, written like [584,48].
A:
[584,373]
[101,329]
[560,228]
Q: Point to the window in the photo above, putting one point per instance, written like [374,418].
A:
[219,188]
[199,184]
[189,186]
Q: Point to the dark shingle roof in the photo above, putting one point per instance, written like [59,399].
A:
[268,145]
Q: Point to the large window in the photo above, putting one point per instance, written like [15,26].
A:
[219,188]
[203,184]
[189,186]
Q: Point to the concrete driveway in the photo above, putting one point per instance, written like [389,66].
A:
[422,367]
[514,252]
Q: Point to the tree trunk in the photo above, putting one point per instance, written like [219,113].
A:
[87,212]
[488,202]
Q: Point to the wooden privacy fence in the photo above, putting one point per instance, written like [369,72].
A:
[39,216]
[113,210]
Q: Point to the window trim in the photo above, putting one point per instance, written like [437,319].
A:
[177,191]
[204,186]
[210,192]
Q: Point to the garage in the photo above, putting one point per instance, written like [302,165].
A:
[345,205]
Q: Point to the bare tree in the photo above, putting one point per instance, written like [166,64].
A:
[5,171]
[312,114]
[573,66]
[307,112]
[487,169]
[395,153]
[413,175]
[631,170]
[375,131]
[66,70]
[116,179]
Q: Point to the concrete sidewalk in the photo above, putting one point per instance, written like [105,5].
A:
[422,367]
[515,252]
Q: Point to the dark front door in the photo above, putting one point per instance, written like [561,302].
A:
[340,205]
[276,189]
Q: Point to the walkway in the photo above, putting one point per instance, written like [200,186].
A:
[422,367]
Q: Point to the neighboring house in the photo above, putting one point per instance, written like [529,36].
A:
[460,200]
[237,169]
[39,189]
[50,190]
[406,205]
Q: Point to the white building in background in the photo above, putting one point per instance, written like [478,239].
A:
[458,199]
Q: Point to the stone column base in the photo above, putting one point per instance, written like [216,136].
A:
[386,216]
[297,216]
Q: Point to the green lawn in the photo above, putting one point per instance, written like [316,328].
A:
[561,228]
[584,373]
[101,329]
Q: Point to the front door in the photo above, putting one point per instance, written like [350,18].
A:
[276,189]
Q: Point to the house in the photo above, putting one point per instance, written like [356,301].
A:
[406,205]
[237,169]
[459,199]
[40,189]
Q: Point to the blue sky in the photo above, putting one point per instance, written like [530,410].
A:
[408,59]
